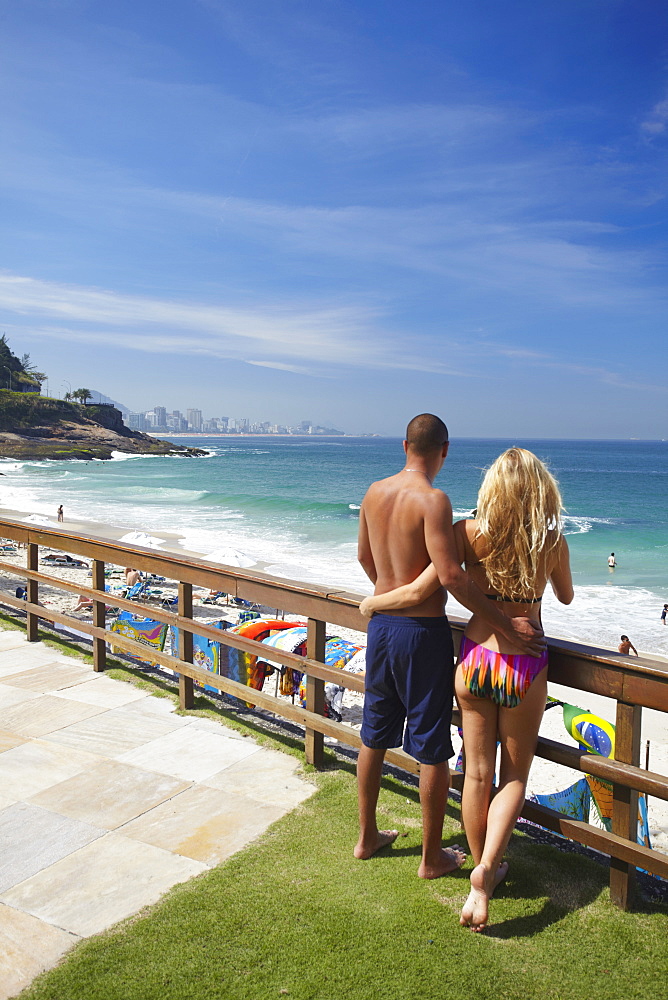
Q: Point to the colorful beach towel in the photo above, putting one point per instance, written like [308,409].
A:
[573,801]
[145,631]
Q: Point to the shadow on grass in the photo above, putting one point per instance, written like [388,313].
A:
[564,882]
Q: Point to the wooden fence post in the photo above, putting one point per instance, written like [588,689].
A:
[315,691]
[32,594]
[186,684]
[625,802]
[99,617]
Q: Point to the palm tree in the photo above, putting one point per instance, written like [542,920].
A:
[83,395]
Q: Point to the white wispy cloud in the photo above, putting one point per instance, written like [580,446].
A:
[289,338]
[656,121]
[306,341]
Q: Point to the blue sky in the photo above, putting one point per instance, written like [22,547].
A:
[343,211]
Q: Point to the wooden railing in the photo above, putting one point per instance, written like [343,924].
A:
[633,684]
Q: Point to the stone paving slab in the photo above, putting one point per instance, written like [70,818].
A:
[13,695]
[8,740]
[110,794]
[190,753]
[15,661]
[28,946]
[114,732]
[45,715]
[26,656]
[101,884]
[82,754]
[159,707]
[204,823]
[267,777]
[102,691]
[12,639]
[36,765]
[7,800]
[49,676]
[211,726]
[33,838]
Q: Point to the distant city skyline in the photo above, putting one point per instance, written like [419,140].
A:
[159,419]
[355,211]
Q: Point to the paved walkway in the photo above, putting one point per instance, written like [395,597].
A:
[107,798]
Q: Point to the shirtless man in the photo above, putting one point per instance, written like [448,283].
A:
[404,525]
[132,576]
[626,646]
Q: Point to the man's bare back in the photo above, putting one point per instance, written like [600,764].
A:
[392,527]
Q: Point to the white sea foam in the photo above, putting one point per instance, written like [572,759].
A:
[599,615]
[573,525]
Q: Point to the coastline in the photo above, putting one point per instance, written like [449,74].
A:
[108,532]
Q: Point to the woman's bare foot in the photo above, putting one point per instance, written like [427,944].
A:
[501,873]
[451,858]
[475,911]
[363,850]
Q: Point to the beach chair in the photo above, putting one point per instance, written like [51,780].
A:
[169,603]
[138,592]
[214,598]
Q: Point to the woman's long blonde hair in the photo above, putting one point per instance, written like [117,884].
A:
[519,512]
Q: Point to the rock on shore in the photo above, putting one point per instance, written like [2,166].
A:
[33,427]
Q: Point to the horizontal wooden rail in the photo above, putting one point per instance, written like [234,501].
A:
[198,627]
[633,684]
[640,780]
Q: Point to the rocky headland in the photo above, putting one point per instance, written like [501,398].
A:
[37,427]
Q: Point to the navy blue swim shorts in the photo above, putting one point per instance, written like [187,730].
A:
[409,679]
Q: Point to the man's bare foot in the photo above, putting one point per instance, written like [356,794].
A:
[450,860]
[475,911]
[363,851]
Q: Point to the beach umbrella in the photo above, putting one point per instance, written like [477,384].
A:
[231,557]
[38,519]
[142,538]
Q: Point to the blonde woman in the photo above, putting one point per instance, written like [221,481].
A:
[512,548]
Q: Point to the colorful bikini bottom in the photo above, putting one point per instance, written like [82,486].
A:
[505,678]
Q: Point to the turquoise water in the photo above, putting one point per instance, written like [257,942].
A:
[292,505]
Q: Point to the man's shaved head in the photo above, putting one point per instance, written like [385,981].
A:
[426,434]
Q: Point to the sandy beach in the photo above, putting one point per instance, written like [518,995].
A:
[546,777]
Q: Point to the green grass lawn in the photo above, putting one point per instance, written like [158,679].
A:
[295,915]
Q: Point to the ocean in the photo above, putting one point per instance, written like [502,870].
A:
[292,505]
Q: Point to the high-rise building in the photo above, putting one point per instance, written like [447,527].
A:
[194,418]
[160,416]
[137,421]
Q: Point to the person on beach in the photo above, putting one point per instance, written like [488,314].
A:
[132,576]
[611,561]
[60,513]
[84,602]
[626,646]
[663,613]
[511,549]
[406,524]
